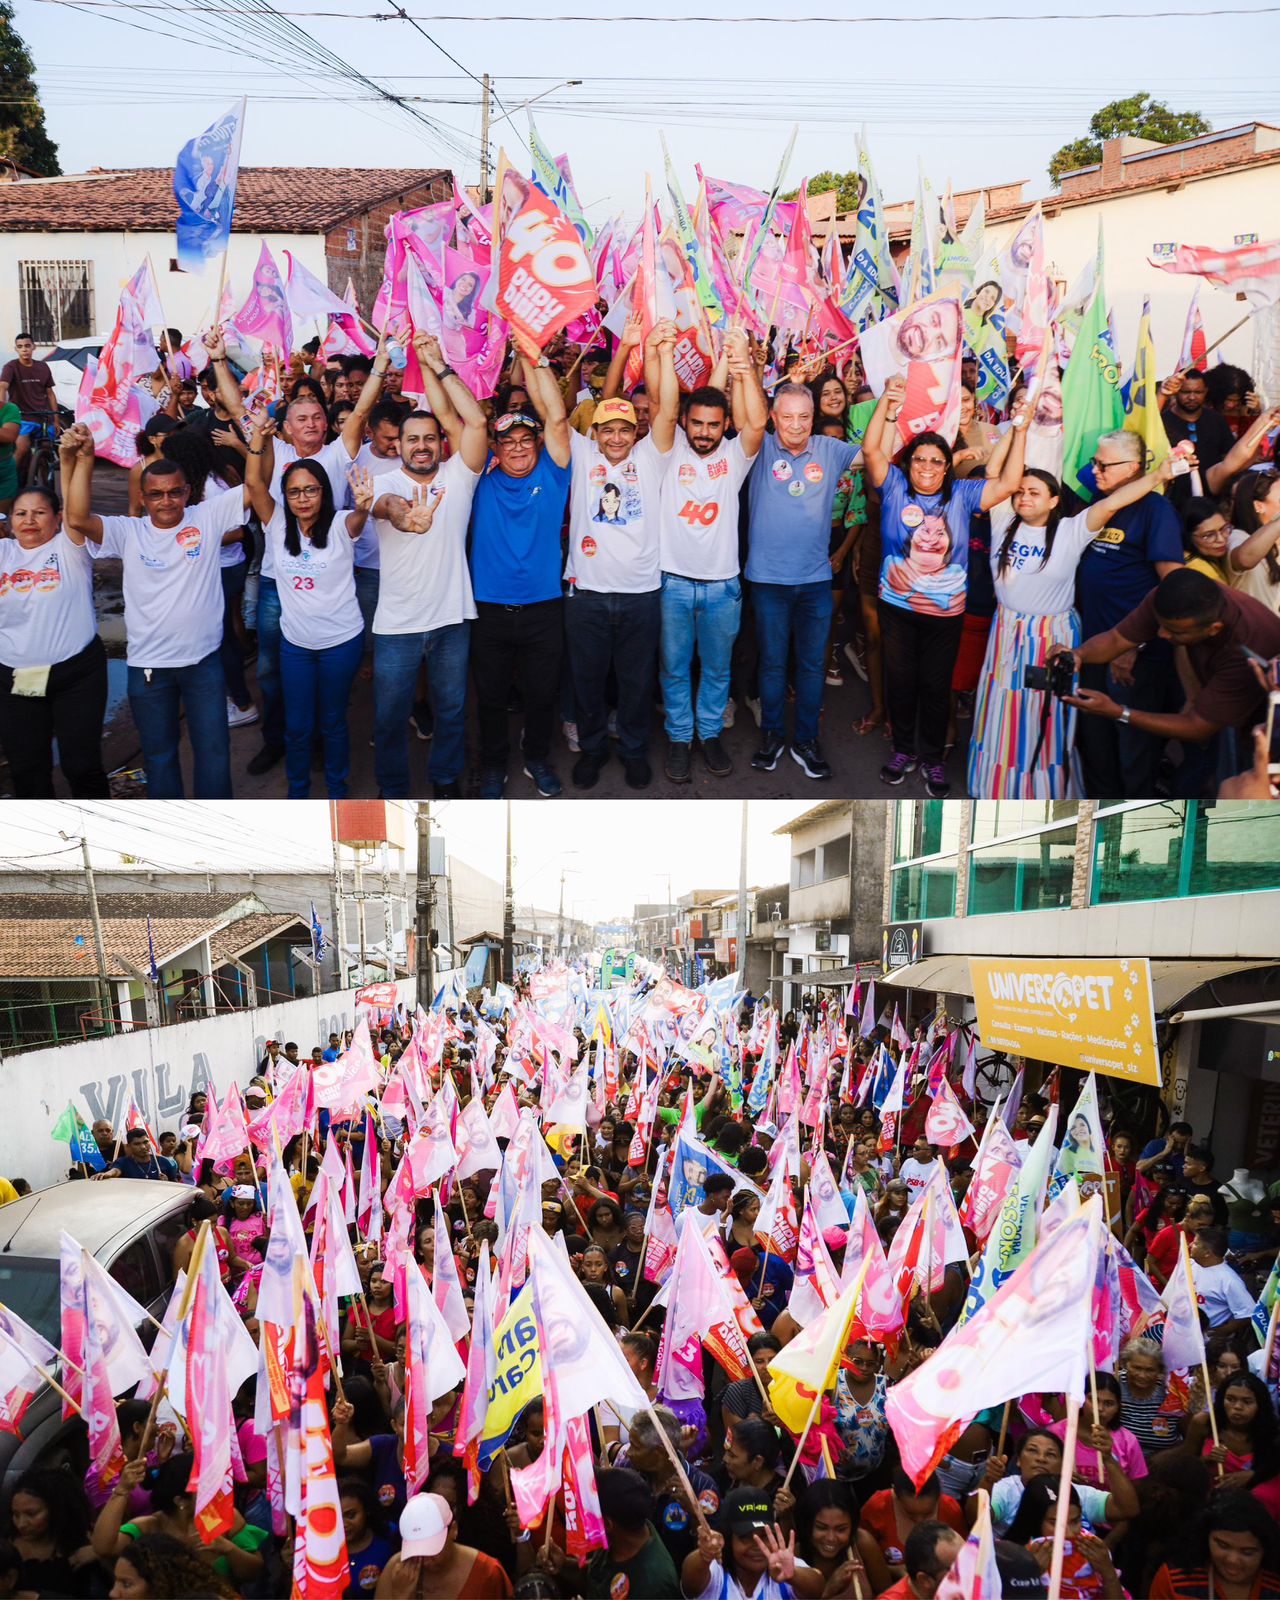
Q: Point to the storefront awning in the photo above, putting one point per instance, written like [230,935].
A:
[830,977]
[1171,980]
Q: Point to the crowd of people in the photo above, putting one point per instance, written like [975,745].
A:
[593,557]
[705,1492]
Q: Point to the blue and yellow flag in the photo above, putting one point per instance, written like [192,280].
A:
[1142,413]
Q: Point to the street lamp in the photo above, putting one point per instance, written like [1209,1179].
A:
[569,83]
[507,116]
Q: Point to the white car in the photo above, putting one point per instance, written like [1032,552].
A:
[66,362]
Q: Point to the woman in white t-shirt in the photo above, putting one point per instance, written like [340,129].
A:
[1022,746]
[53,669]
[1253,545]
[321,629]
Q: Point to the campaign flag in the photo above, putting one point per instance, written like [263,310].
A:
[777,1226]
[1014,1233]
[1032,1335]
[1011,1105]
[1193,339]
[482,1368]
[583,1521]
[97,1396]
[703,280]
[1251,270]
[817,1283]
[824,1195]
[204,185]
[226,1132]
[321,1566]
[946,1123]
[25,1357]
[265,314]
[879,1314]
[1181,1340]
[72,1129]
[764,227]
[1036,304]
[552,176]
[1091,402]
[107,402]
[1083,1149]
[209,1403]
[923,251]
[432,1368]
[543,278]
[923,345]
[446,1285]
[1142,410]
[974,1574]
[699,1312]
[341,1085]
[307,296]
[125,1357]
[806,1367]
[994,1169]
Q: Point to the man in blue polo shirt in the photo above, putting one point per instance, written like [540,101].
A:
[790,493]
[138,1161]
[518,633]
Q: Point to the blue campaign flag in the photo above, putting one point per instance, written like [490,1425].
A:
[319,944]
[204,185]
[153,972]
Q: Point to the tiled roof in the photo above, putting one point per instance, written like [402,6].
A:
[51,936]
[268,199]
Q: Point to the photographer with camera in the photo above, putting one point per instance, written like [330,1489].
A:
[1222,631]
[1023,723]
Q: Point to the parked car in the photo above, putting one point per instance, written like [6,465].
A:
[131,1226]
[67,363]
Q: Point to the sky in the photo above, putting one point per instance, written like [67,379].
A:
[615,853]
[976,100]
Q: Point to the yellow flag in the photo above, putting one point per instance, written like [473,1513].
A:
[1141,411]
[518,1377]
[807,1367]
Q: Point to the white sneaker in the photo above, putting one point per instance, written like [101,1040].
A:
[613,725]
[240,719]
[730,712]
[753,706]
[571,737]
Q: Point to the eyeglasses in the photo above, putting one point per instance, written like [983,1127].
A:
[1103,466]
[303,491]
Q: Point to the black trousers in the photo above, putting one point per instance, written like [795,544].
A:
[618,630]
[919,657]
[523,644]
[71,711]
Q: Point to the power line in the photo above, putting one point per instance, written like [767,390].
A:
[612,19]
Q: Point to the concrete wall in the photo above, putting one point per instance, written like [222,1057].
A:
[160,1068]
[187,298]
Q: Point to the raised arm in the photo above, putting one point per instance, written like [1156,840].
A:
[874,456]
[660,358]
[750,407]
[548,402]
[228,389]
[443,384]
[409,516]
[363,492]
[1000,488]
[1099,514]
[257,484]
[353,428]
[1242,453]
[631,338]
[75,451]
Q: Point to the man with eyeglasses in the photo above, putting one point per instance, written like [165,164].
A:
[518,634]
[1141,544]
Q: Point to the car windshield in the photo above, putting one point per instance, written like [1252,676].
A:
[29,1287]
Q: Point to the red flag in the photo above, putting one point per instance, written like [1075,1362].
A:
[544,277]
[209,1405]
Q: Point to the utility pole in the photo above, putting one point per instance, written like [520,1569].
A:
[484,141]
[335,904]
[424,908]
[508,916]
[99,949]
[364,977]
[742,901]
[560,922]
[389,925]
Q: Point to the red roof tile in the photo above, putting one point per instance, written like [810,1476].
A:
[268,199]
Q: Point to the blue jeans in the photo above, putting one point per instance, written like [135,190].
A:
[621,629]
[156,698]
[231,652]
[705,615]
[317,686]
[396,658]
[367,583]
[796,617]
[269,685]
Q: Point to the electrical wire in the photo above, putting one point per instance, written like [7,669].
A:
[612,18]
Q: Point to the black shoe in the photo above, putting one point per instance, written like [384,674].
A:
[677,766]
[586,769]
[493,783]
[811,759]
[638,772]
[446,791]
[420,720]
[719,761]
[769,754]
[265,759]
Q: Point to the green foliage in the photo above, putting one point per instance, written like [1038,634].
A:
[23,136]
[845,185]
[1136,114]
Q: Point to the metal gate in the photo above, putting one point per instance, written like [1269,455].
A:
[56,299]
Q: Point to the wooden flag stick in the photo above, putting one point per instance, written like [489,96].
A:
[188,1292]
[1064,1498]
[678,1465]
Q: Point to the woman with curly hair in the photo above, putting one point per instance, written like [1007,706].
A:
[160,1567]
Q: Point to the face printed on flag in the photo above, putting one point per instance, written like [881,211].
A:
[204,185]
[544,276]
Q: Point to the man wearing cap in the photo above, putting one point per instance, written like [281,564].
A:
[518,633]
[701,589]
[614,568]
[791,491]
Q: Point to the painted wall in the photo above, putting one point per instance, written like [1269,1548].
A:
[187,298]
[160,1068]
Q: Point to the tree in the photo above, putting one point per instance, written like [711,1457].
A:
[845,184]
[1137,114]
[23,136]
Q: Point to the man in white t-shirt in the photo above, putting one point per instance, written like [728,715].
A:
[614,567]
[916,1168]
[425,604]
[1221,1293]
[305,424]
[172,615]
[701,590]
[379,454]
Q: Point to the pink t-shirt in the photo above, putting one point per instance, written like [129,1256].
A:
[1124,1447]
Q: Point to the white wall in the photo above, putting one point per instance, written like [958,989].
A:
[161,1068]
[187,298]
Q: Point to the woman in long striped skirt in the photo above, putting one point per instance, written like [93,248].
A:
[1034,555]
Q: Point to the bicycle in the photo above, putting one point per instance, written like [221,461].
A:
[43,468]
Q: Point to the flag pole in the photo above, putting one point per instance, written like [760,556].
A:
[1064,1497]
[188,1293]
[677,1464]
[1222,339]
[1204,1361]
[817,1398]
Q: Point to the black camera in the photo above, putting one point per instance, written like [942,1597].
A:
[1057,676]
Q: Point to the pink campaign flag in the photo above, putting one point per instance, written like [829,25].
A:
[945,1122]
[699,1313]
[432,1368]
[1252,270]
[584,1524]
[817,1283]
[341,1085]
[446,1285]
[504,1118]
[482,1368]
[265,314]
[226,1132]
[369,1202]
[209,1405]
[974,1574]
[23,1352]
[994,1171]
[1032,1335]
[106,1454]
[474,340]
[107,402]
[879,1313]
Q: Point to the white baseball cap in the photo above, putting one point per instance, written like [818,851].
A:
[424,1525]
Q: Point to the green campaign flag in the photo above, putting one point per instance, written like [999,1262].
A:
[68,1125]
[1091,401]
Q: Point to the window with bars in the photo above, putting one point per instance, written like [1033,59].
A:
[56,298]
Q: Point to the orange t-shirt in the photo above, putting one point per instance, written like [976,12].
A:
[879,1520]
[486,1581]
